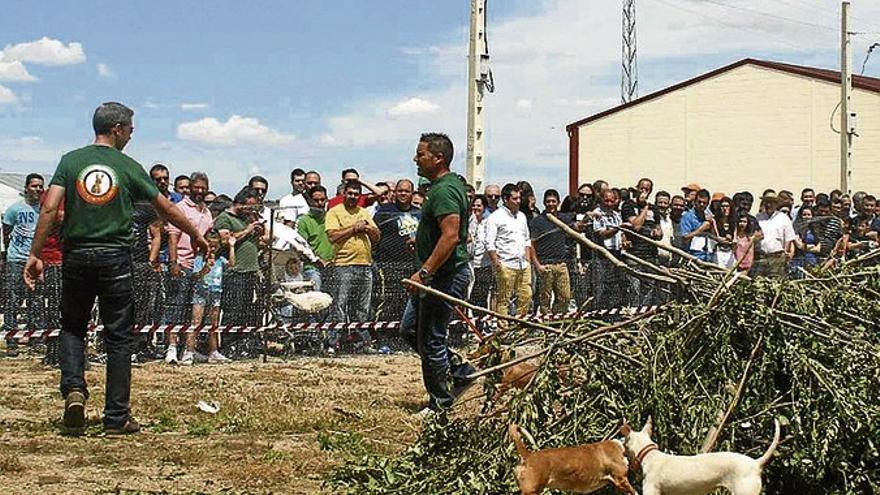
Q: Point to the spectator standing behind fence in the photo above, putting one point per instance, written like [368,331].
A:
[363,200]
[240,303]
[441,249]
[697,228]
[352,232]
[99,185]
[294,205]
[19,224]
[552,250]
[608,281]
[509,248]
[180,263]
[181,185]
[312,228]
[394,254]
[642,218]
[208,275]
[481,265]
[492,193]
[778,241]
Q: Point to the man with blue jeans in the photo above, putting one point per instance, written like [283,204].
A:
[353,232]
[99,185]
[441,249]
[19,224]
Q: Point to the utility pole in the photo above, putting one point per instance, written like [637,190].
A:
[846,121]
[629,71]
[479,82]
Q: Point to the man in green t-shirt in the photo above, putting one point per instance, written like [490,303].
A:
[240,301]
[441,250]
[311,227]
[99,185]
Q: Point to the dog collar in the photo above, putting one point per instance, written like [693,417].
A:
[640,457]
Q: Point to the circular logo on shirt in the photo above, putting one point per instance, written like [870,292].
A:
[97,184]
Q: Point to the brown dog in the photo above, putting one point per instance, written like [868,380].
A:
[517,376]
[582,469]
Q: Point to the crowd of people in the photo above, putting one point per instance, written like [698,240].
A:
[356,242]
[152,251]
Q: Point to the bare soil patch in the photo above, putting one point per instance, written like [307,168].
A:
[281,427]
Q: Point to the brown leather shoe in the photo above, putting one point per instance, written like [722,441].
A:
[75,409]
[131,426]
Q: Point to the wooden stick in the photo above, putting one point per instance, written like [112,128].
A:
[712,436]
[454,300]
[605,253]
[652,266]
[580,338]
[672,249]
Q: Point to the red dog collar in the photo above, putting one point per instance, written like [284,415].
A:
[640,458]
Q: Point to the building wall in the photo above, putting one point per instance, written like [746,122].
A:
[749,128]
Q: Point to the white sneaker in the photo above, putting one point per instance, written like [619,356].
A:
[171,355]
[187,358]
[216,357]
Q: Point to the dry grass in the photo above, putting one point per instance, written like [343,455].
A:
[281,427]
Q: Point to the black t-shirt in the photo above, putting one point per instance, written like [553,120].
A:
[552,245]
[639,247]
[397,227]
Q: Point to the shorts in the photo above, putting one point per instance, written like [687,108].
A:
[203,296]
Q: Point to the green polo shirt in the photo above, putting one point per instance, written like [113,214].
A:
[100,185]
[446,196]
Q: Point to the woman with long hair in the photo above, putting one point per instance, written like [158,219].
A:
[808,256]
[743,243]
[725,227]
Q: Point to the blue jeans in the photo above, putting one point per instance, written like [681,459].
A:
[424,328]
[313,274]
[16,293]
[354,282]
[106,274]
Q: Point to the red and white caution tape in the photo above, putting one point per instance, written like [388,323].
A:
[367,325]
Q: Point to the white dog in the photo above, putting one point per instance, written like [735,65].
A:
[693,475]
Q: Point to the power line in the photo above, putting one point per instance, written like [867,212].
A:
[772,16]
[868,56]
[728,24]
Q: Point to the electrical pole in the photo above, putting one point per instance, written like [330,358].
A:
[479,82]
[629,73]
[846,122]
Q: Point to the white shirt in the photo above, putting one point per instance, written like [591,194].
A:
[295,207]
[478,232]
[508,236]
[778,231]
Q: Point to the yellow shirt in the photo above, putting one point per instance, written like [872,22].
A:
[357,249]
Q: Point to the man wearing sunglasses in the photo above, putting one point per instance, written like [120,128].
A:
[492,192]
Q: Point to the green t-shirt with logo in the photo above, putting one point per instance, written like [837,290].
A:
[446,196]
[100,185]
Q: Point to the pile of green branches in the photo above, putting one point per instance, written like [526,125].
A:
[737,355]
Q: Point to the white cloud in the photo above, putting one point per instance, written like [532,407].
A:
[524,104]
[105,71]
[15,71]
[235,131]
[413,106]
[7,97]
[193,106]
[44,51]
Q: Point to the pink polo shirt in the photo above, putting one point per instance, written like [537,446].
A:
[201,220]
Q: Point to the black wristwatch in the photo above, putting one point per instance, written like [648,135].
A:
[424,274]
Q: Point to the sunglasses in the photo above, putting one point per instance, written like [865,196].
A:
[493,196]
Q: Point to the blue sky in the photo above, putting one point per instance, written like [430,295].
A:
[235,89]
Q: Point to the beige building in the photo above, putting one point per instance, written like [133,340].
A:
[750,125]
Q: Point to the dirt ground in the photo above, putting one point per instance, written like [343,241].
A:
[281,427]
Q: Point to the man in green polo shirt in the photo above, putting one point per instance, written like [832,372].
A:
[99,185]
[441,250]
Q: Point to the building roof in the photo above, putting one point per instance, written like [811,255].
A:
[861,82]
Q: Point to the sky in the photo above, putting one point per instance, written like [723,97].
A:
[240,88]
